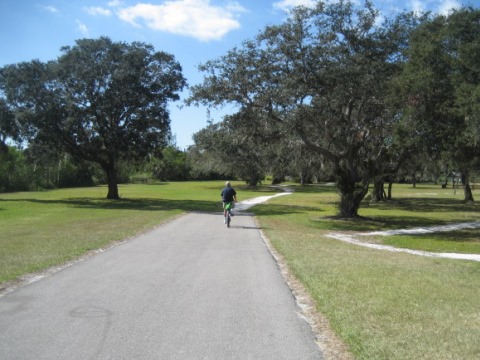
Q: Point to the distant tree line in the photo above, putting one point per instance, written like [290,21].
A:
[33,169]
[335,93]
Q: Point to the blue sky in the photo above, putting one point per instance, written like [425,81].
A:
[193,30]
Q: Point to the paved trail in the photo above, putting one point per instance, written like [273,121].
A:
[354,239]
[190,289]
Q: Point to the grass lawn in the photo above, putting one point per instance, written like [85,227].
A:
[385,305]
[42,229]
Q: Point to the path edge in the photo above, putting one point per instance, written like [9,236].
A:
[331,346]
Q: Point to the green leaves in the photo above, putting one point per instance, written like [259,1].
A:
[443,76]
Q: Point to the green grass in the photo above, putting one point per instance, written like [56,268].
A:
[384,305]
[42,229]
[465,241]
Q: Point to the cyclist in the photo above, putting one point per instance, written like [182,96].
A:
[229,196]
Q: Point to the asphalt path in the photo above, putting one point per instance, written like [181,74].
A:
[189,289]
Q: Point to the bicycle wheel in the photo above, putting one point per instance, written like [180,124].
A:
[228,219]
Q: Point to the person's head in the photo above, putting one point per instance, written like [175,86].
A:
[227,184]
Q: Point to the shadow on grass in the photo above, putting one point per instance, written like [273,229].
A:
[314,189]
[461,236]
[133,204]
[278,209]
[361,223]
[163,204]
[259,189]
[424,205]
[254,189]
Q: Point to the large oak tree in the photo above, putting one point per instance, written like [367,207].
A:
[322,76]
[100,101]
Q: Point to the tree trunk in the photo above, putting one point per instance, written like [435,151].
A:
[350,196]
[253,179]
[112,182]
[390,184]
[305,177]
[467,191]
[277,179]
[378,190]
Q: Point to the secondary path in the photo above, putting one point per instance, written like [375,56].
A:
[354,239]
[190,289]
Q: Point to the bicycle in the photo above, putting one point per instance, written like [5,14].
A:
[228,207]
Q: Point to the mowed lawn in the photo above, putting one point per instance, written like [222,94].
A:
[383,305]
[386,305]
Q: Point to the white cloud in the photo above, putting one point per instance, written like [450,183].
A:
[82,28]
[436,6]
[114,3]
[447,5]
[417,6]
[194,18]
[50,9]
[287,5]
[97,11]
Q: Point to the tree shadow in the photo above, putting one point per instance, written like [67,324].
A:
[315,188]
[146,204]
[461,236]
[427,205]
[143,204]
[278,209]
[255,189]
[362,223]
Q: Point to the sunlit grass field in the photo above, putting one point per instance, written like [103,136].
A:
[385,305]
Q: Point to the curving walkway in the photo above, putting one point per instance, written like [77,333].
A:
[353,239]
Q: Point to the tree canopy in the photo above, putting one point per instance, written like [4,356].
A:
[439,88]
